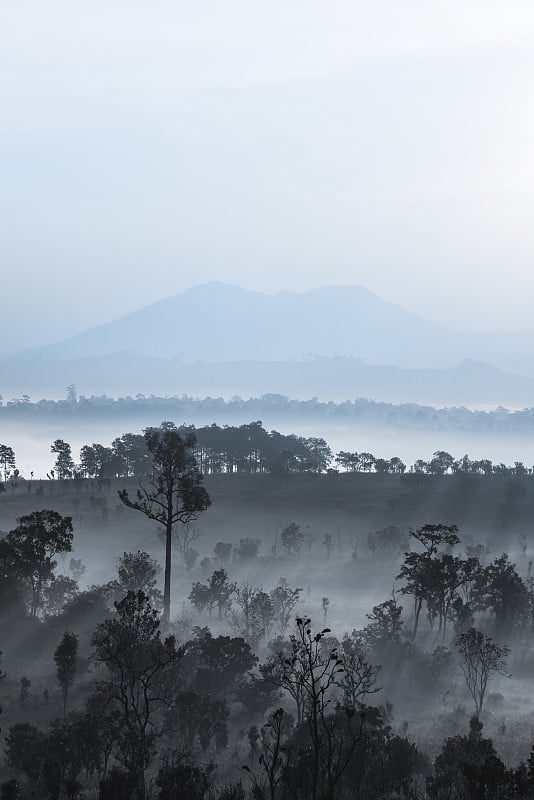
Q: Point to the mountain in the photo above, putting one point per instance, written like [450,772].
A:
[218,322]
[335,342]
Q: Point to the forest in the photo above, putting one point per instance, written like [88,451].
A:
[241,450]
[273,622]
[361,410]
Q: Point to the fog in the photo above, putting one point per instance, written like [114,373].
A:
[355,539]
[267,400]
[32,441]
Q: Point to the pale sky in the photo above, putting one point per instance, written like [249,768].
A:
[146,147]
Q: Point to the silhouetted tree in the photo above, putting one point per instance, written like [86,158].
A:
[331,734]
[25,750]
[174,494]
[184,535]
[56,594]
[468,768]
[102,726]
[30,549]
[142,679]
[390,539]
[319,455]
[501,589]
[7,460]
[66,656]
[138,572]
[252,614]
[421,571]
[64,758]
[216,593]
[292,538]
[348,461]
[274,752]
[480,659]
[198,719]
[383,632]
[283,599]
[440,463]
[358,678]
[64,465]
[216,664]
[223,552]
[131,453]
[248,549]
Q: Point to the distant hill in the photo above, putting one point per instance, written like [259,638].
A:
[218,322]
[338,379]
[335,342]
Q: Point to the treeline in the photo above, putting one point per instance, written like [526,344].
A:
[249,450]
[363,411]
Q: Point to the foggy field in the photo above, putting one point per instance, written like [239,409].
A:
[353,577]
[351,504]
[241,508]
[407,572]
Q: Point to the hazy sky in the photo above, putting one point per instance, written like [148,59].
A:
[150,146]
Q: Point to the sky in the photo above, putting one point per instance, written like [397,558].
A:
[149,147]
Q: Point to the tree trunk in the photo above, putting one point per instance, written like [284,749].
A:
[167,584]
[418,606]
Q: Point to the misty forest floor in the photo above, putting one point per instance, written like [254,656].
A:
[348,507]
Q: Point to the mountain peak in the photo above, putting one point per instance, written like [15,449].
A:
[219,321]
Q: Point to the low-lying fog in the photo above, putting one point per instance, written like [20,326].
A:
[31,440]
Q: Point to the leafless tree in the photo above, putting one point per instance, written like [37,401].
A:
[184,535]
[273,757]
[358,678]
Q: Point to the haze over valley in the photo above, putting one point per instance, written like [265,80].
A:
[267,400]
[335,343]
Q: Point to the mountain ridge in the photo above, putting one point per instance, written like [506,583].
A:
[230,323]
[331,379]
[336,341]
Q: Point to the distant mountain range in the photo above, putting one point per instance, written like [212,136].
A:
[338,379]
[334,342]
[219,322]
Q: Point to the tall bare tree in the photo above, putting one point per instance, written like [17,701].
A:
[174,492]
